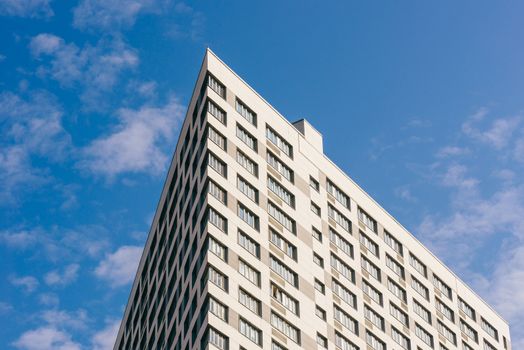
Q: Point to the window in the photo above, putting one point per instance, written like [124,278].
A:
[446,332]
[247,163]
[249,272]
[442,287]
[279,141]
[421,311]
[418,265]
[369,244]
[445,310]
[247,138]
[282,244]
[283,271]
[372,292]
[488,328]
[400,315]
[314,183]
[217,192]
[246,188]
[216,112]
[217,248]
[393,243]
[249,331]
[342,268]
[322,341]
[370,268]
[217,220]
[488,346]
[367,220]
[419,288]
[318,260]
[280,167]
[345,320]
[315,208]
[246,112]
[339,218]
[320,286]
[248,244]
[285,327]
[276,346]
[316,234]
[281,217]
[218,309]
[340,242]
[424,335]
[281,192]
[467,309]
[321,313]
[397,290]
[284,299]
[343,343]
[395,266]
[217,165]
[249,301]
[465,346]
[218,339]
[340,196]
[374,342]
[400,338]
[373,317]
[217,278]
[248,216]
[343,293]
[216,137]
[469,331]
[216,85]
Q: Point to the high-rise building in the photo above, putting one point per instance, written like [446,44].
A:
[261,242]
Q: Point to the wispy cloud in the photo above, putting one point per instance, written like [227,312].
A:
[26,8]
[119,268]
[62,278]
[101,15]
[31,126]
[27,283]
[95,70]
[137,143]
[105,338]
[46,338]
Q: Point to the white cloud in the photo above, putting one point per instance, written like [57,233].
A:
[69,274]
[27,283]
[58,243]
[46,338]
[138,143]
[113,15]
[119,268]
[26,8]
[31,126]
[498,135]
[95,70]
[18,239]
[452,151]
[61,319]
[105,338]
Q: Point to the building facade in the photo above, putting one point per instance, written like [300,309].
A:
[261,242]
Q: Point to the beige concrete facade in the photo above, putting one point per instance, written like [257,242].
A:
[305,258]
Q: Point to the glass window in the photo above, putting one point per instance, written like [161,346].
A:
[247,163]
[279,141]
[247,138]
[284,299]
[248,243]
[248,217]
[246,112]
[280,167]
[340,242]
[367,220]
[249,272]
[216,85]
[247,189]
[283,271]
[340,219]
[281,192]
[345,319]
[249,301]
[281,243]
[339,195]
[285,327]
[251,332]
[281,217]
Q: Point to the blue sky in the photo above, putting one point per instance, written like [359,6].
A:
[420,102]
